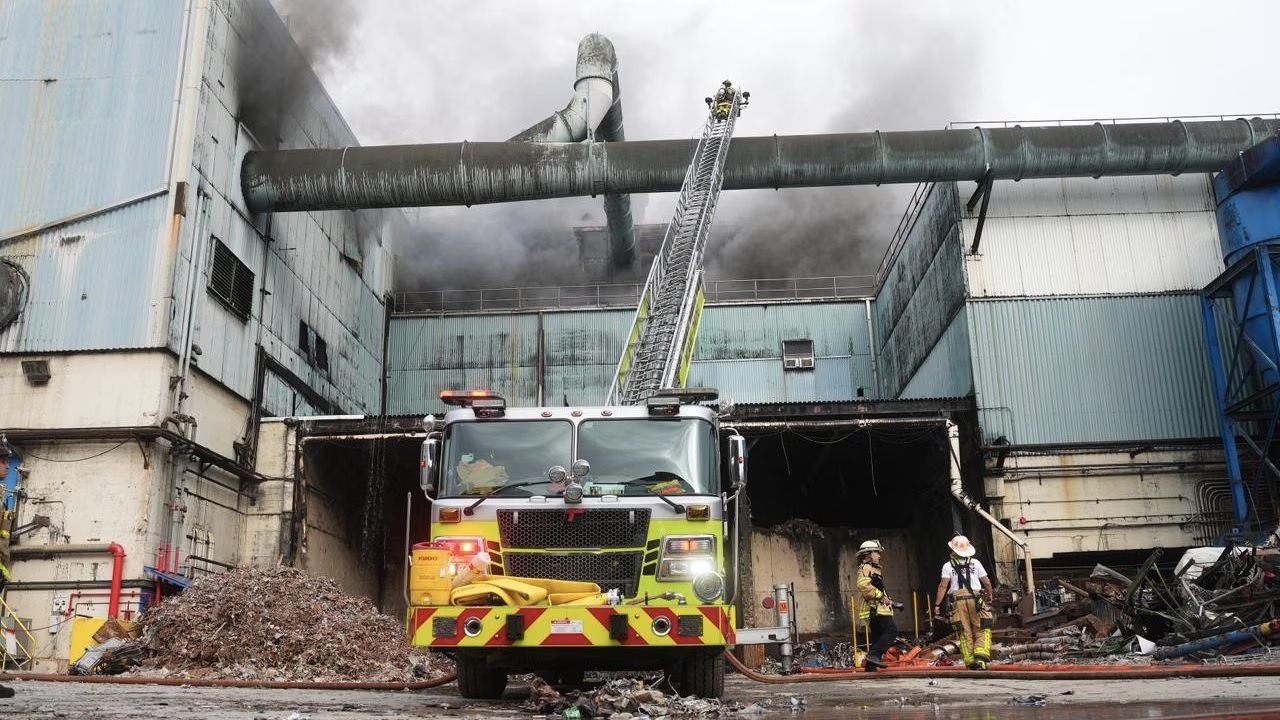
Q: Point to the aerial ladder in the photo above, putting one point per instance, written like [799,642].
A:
[665,327]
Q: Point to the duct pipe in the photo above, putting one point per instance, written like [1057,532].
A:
[472,173]
[595,113]
[117,563]
[957,490]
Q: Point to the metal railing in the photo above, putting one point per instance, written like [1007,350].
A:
[963,124]
[569,297]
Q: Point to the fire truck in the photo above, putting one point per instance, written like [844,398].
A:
[572,538]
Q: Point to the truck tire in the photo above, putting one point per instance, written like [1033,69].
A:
[701,675]
[478,681]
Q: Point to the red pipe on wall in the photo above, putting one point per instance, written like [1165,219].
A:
[117,577]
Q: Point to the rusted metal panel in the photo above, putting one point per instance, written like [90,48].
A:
[1108,236]
[471,173]
[735,332]
[947,371]
[1067,370]
[764,380]
[923,289]
[739,348]
[94,284]
[85,104]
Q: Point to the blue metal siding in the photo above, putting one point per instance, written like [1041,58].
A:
[581,351]
[739,352]
[764,380]
[92,283]
[948,370]
[85,104]
[922,291]
[1064,370]
[325,269]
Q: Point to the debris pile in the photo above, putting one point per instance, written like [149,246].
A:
[628,699]
[276,624]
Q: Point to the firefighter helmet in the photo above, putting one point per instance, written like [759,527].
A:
[870,546]
[961,547]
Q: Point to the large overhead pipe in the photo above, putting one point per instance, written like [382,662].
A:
[472,173]
[594,113]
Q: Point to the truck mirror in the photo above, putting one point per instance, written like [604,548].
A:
[738,461]
[429,467]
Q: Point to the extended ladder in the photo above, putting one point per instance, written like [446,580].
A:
[665,326]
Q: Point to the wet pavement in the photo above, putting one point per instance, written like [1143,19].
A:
[961,697]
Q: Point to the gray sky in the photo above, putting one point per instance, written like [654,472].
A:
[406,71]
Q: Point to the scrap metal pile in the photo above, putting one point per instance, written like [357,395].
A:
[1214,603]
[276,624]
[1217,601]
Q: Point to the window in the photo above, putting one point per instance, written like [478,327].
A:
[304,340]
[231,281]
[797,354]
[312,347]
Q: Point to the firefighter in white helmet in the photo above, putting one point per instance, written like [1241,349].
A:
[966,582]
[876,608]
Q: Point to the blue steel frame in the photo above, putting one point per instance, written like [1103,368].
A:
[1244,373]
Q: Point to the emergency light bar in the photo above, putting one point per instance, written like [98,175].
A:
[472,398]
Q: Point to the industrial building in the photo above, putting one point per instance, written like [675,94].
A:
[188,384]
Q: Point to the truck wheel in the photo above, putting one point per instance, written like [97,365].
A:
[701,675]
[478,681]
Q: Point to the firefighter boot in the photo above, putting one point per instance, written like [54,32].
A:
[983,651]
[6,691]
[966,649]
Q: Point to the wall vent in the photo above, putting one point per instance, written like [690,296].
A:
[36,371]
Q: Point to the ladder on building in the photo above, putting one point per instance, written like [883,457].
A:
[660,343]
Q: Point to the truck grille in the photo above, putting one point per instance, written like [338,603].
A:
[573,528]
[611,571]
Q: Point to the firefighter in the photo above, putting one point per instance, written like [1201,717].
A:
[963,578]
[724,100]
[876,609]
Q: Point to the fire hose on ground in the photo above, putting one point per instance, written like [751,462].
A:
[224,683]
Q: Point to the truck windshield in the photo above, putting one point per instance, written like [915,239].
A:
[482,456]
[642,456]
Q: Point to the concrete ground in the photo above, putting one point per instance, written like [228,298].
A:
[881,698]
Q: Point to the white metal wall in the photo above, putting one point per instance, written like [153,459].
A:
[1080,236]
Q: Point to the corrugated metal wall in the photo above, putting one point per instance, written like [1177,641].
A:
[922,292]
[329,270]
[1064,370]
[948,370]
[85,114]
[1079,236]
[85,104]
[739,352]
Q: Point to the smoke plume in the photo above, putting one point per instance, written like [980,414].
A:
[819,232]
[272,79]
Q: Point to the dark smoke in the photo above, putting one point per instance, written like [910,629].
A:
[508,245]
[322,28]
[819,232]
[272,78]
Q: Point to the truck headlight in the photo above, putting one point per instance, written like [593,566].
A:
[708,586]
[685,557]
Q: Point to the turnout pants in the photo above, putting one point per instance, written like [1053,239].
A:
[971,619]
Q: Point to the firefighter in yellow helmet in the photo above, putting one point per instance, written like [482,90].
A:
[966,581]
[876,608]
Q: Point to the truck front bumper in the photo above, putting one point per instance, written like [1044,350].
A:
[608,626]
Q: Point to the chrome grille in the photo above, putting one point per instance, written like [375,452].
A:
[573,528]
[620,571]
